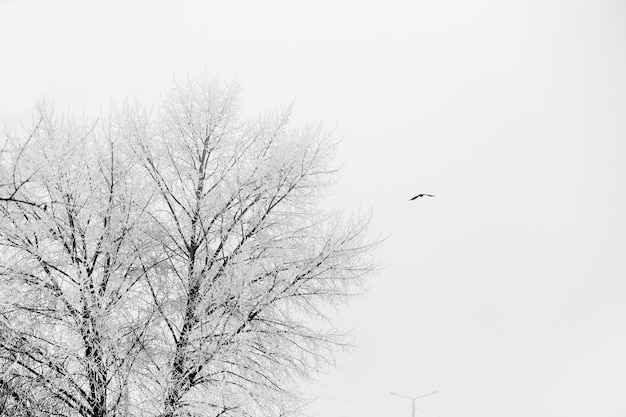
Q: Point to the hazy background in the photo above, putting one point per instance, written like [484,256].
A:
[506,292]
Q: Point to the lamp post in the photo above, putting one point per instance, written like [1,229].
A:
[413,400]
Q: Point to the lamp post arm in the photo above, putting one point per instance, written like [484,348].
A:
[426,395]
[413,399]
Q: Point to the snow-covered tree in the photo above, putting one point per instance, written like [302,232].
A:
[72,236]
[168,264]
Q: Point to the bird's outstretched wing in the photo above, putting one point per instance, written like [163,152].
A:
[421,195]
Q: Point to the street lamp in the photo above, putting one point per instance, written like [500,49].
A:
[413,400]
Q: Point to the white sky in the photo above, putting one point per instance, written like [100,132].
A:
[506,292]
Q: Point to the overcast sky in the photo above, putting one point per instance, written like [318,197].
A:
[507,291]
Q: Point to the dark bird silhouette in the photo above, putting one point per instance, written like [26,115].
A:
[421,195]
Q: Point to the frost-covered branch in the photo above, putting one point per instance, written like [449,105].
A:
[170,264]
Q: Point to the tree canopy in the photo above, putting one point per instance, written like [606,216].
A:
[168,263]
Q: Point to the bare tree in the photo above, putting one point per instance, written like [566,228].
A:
[171,264]
[70,262]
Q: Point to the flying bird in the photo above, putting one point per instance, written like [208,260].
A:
[422,195]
